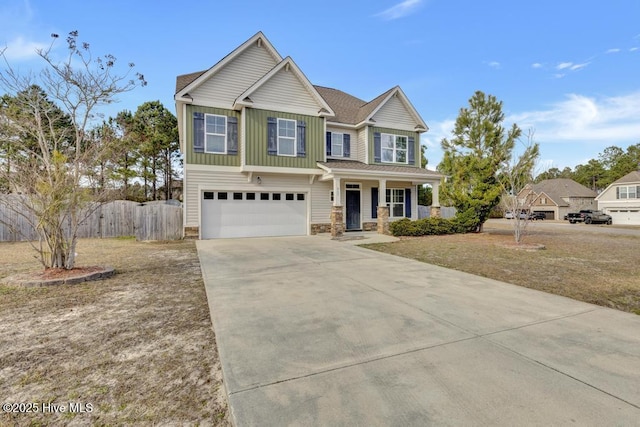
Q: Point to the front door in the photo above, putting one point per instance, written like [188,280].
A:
[353,209]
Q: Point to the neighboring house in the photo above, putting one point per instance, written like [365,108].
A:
[557,197]
[621,199]
[266,153]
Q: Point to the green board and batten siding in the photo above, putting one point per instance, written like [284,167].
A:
[194,158]
[257,140]
[415,135]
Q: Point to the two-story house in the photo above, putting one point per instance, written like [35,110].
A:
[621,199]
[557,197]
[266,153]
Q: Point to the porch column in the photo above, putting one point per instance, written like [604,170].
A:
[337,214]
[383,209]
[435,200]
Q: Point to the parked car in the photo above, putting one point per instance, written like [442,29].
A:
[589,216]
[537,215]
[521,215]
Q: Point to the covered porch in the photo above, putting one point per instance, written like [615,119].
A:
[368,197]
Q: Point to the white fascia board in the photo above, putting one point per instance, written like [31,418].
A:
[213,168]
[341,125]
[400,176]
[288,171]
[230,57]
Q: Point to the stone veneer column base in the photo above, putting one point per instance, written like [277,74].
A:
[435,212]
[383,220]
[320,228]
[337,221]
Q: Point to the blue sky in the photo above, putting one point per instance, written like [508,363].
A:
[569,70]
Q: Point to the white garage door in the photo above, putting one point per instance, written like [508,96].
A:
[625,216]
[253,214]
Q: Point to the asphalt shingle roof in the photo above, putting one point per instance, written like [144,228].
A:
[560,188]
[630,177]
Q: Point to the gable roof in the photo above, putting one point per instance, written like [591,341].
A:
[286,64]
[345,106]
[351,110]
[628,178]
[559,188]
[187,82]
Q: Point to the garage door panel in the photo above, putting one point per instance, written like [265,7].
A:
[230,218]
[625,216]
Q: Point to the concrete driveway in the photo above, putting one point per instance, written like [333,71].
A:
[319,332]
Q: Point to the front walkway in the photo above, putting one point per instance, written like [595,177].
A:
[313,331]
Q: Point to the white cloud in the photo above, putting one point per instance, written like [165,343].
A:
[494,64]
[20,49]
[579,118]
[633,49]
[400,10]
[615,50]
[576,67]
[536,65]
[563,65]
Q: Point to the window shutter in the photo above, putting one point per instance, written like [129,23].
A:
[328,143]
[617,192]
[272,136]
[638,192]
[232,135]
[407,202]
[374,202]
[346,145]
[198,132]
[377,150]
[388,197]
[301,139]
[412,150]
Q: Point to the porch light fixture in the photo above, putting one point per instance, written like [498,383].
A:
[259,180]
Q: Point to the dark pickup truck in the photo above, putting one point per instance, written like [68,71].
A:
[589,216]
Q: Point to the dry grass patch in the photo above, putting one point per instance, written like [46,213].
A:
[139,346]
[597,269]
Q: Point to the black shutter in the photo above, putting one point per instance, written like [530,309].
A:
[377,142]
[272,136]
[412,150]
[232,135]
[301,139]
[638,192]
[407,202]
[198,132]
[374,202]
[328,143]
[346,145]
[617,192]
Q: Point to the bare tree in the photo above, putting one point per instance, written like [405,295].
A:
[516,177]
[48,144]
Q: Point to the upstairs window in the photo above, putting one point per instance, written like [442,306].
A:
[215,134]
[286,137]
[336,144]
[394,148]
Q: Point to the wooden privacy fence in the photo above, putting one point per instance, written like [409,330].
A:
[149,221]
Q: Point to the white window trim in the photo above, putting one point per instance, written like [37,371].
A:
[395,149]
[390,202]
[294,139]
[341,145]
[627,192]
[217,134]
